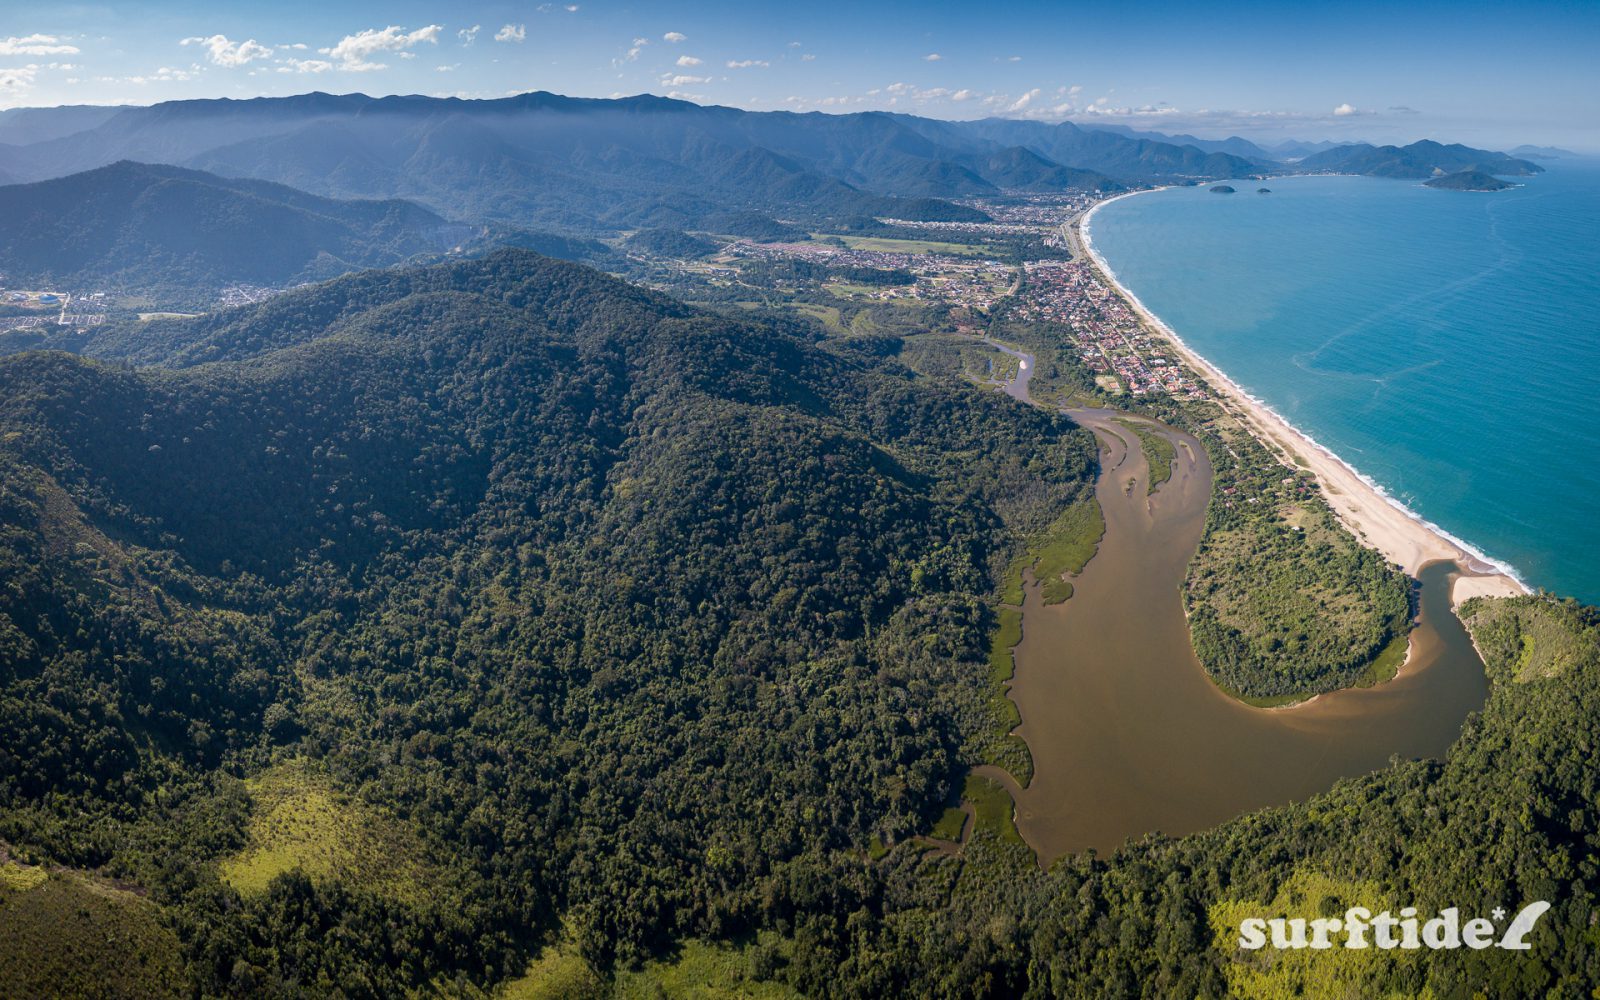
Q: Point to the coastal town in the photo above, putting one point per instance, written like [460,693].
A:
[952,265]
[1022,266]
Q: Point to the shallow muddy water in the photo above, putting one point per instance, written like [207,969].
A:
[1128,733]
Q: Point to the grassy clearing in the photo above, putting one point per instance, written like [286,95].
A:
[828,316]
[698,971]
[888,245]
[1274,973]
[1009,632]
[65,935]
[1067,547]
[1386,665]
[1158,452]
[1011,586]
[300,821]
[993,807]
[1528,638]
[21,878]
[950,825]
[1005,749]
[559,973]
[704,971]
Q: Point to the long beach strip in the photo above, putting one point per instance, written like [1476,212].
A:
[1377,518]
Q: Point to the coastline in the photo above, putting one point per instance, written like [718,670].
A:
[1369,512]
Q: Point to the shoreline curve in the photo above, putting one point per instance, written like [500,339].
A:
[1366,509]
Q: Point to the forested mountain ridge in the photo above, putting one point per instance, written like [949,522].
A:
[159,227]
[1418,160]
[551,616]
[629,613]
[600,166]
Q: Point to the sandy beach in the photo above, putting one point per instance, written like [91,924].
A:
[1398,533]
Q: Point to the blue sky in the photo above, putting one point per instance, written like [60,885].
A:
[1488,74]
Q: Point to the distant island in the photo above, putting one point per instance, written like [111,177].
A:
[1419,160]
[1263,190]
[1222,189]
[1468,180]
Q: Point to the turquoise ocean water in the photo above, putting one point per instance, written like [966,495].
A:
[1446,344]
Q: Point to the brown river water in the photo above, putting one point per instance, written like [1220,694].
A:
[1128,733]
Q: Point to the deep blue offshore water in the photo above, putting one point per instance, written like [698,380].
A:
[1446,344]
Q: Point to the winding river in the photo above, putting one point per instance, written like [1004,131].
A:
[1128,733]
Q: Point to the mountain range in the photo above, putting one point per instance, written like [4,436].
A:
[583,165]
[188,196]
[144,226]
[1418,160]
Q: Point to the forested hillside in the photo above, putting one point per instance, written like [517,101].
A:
[431,627]
[622,615]
[186,234]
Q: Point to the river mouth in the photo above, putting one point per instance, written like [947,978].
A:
[1128,733]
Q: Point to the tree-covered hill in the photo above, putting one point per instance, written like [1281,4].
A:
[392,633]
[621,609]
[1418,160]
[150,227]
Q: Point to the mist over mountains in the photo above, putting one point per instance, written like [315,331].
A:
[153,226]
[281,190]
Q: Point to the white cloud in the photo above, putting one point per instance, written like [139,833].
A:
[808,57]
[305,66]
[1344,110]
[638,46]
[223,52]
[674,37]
[447,69]
[932,57]
[1014,59]
[16,80]
[747,63]
[469,35]
[1021,103]
[688,61]
[961,95]
[36,45]
[681,80]
[511,33]
[355,53]
[165,74]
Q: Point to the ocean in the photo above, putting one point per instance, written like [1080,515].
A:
[1445,344]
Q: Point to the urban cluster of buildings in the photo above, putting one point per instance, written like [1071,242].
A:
[53,309]
[947,278]
[1109,336]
